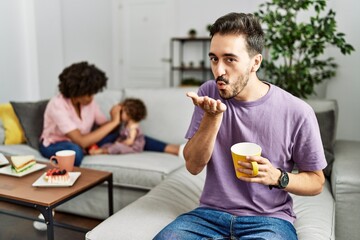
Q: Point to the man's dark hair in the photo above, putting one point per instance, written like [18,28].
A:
[81,79]
[134,108]
[241,24]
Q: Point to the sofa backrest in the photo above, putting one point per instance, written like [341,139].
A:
[107,99]
[327,115]
[169,112]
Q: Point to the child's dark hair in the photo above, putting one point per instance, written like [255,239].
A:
[135,108]
[81,79]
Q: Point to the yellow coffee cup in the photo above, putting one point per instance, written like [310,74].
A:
[240,151]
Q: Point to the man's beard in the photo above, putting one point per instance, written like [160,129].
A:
[235,88]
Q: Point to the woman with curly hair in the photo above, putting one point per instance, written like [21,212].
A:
[131,138]
[70,116]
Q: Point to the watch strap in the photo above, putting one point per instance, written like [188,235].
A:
[279,185]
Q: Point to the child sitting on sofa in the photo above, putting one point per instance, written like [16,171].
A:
[131,139]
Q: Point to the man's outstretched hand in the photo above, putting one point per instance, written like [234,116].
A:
[209,105]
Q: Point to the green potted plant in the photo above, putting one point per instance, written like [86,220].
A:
[296,62]
[192,33]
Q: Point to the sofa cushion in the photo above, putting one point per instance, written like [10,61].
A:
[327,127]
[142,170]
[315,215]
[345,187]
[178,194]
[169,112]
[2,133]
[13,131]
[31,117]
[326,112]
[21,149]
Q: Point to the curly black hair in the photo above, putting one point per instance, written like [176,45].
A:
[81,79]
[134,108]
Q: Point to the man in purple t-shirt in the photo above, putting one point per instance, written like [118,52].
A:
[238,107]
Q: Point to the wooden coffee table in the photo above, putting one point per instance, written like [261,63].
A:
[19,190]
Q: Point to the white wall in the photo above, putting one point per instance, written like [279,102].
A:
[50,53]
[67,34]
[40,37]
[345,86]
[18,61]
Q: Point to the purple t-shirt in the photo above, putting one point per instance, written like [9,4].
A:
[287,130]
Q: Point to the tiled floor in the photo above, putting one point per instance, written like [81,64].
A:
[14,228]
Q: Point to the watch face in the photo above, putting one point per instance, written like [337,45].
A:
[284,181]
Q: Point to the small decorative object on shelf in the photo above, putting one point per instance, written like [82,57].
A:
[192,33]
[208,27]
[190,82]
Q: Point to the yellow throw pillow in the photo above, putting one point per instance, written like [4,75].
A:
[13,131]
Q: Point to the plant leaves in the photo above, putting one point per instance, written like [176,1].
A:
[296,48]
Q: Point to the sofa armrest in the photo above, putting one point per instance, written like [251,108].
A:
[144,218]
[345,183]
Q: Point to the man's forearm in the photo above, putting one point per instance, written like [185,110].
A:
[198,150]
[306,183]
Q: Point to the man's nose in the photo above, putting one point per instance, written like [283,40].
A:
[218,70]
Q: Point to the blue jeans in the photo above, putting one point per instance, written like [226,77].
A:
[67,145]
[108,139]
[151,144]
[64,145]
[205,223]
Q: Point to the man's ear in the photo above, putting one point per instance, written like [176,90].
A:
[257,59]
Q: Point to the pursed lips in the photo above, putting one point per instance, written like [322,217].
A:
[221,84]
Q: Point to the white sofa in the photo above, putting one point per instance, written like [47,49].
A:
[133,174]
[151,189]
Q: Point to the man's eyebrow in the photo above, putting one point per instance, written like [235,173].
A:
[230,55]
[225,55]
